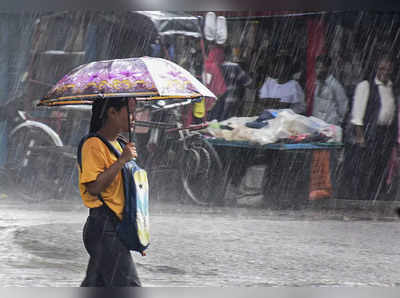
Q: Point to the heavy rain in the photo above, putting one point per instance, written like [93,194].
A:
[270,144]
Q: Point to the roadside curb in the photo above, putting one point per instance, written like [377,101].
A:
[386,207]
[381,208]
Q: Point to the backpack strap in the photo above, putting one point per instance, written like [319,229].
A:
[121,140]
[109,146]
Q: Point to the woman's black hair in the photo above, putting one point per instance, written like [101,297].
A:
[100,108]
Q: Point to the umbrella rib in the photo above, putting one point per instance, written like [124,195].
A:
[84,98]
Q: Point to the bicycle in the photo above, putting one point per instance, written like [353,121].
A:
[186,152]
[41,169]
[40,166]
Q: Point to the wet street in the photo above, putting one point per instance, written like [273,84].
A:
[197,246]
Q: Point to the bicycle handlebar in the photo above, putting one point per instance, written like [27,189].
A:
[170,127]
[158,108]
[153,124]
[190,127]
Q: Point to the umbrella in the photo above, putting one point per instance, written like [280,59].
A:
[144,78]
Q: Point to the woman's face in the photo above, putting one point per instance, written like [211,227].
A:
[384,71]
[120,117]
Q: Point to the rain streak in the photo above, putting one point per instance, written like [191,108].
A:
[268,139]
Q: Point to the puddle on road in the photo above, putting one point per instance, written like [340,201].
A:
[206,247]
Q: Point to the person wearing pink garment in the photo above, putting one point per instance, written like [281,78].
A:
[213,76]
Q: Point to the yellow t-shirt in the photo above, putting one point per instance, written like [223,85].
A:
[96,157]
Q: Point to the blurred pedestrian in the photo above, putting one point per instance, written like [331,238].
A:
[280,86]
[329,104]
[374,124]
[330,100]
[214,79]
[235,79]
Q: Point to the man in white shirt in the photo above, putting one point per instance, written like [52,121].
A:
[374,119]
[330,100]
[387,103]
[330,104]
[280,85]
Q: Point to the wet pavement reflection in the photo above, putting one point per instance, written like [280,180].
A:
[199,246]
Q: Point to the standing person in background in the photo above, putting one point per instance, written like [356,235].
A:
[214,79]
[216,33]
[280,85]
[330,104]
[330,100]
[235,80]
[374,123]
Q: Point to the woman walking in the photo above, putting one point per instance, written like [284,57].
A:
[102,190]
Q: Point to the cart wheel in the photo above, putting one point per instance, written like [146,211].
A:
[201,172]
[31,169]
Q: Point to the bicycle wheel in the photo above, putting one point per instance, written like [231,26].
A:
[201,172]
[162,166]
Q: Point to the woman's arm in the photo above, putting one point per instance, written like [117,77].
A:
[104,179]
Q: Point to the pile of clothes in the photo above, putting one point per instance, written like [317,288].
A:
[274,126]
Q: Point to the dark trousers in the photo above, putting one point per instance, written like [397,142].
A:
[110,263]
[366,167]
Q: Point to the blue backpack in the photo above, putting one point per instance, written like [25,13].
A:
[133,229]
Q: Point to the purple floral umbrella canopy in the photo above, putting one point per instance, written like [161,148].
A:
[144,78]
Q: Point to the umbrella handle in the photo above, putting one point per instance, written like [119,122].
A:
[131,131]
